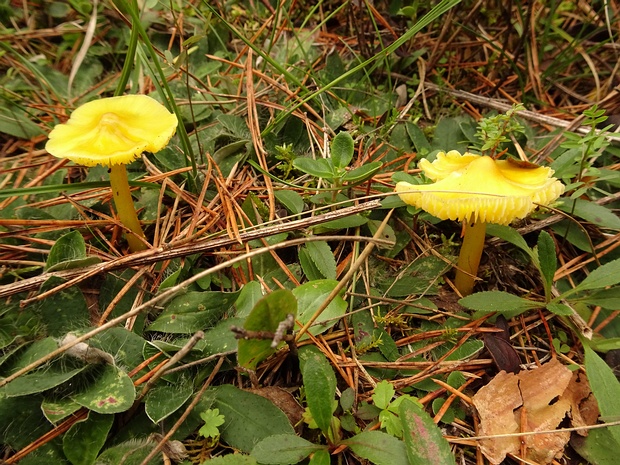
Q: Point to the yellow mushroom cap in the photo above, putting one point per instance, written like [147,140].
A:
[478,188]
[112,131]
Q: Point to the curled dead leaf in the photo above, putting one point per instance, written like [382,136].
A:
[535,400]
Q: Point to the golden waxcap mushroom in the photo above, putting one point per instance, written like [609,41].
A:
[113,132]
[478,190]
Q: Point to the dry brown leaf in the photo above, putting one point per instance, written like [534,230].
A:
[584,408]
[537,397]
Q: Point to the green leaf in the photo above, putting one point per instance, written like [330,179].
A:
[604,345]
[592,212]
[605,387]
[424,441]
[498,301]
[319,383]
[308,266]
[250,294]
[599,447]
[17,123]
[384,392]
[213,420]
[363,172]
[163,401]
[606,298]
[82,443]
[194,311]
[319,168]
[320,457]
[67,248]
[559,309]
[265,316]
[547,259]
[283,449]
[58,409]
[41,380]
[111,392]
[509,235]
[64,311]
[352,221]
[131,452]
[293,202]
[321,255]
[342,149]
[232,459]
[605,275]
[378,447]
[249,418]
[310,296]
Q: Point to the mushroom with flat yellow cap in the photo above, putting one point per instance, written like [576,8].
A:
[112,132]
[478,190]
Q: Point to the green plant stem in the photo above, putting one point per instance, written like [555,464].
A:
[469,258]
[125,208]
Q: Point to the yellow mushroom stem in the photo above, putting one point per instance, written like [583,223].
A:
[469,257]
[125,208]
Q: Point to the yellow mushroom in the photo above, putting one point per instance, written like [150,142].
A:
[113,132]
[478,190]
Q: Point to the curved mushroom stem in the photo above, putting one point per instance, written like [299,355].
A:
[469,258]
[125,208]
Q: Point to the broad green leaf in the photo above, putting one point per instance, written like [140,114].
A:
[599,447]
[547,259]
[378,447]
[22,420]
[383,394]
[320,457]
[249,418]
[17,123]
[319,168]
[601,344]
[592,212]
[283,449]
[352,221]
[510,235]
[41,380]
[321,255]
[425,443]
[110,392]
[605,387]
[30,354]
[559,309]
[319,384]
[163,401]
[131,452]
[69,247]
[194,311]
[220,338]
[265,316]
[250,294]
[308,267]
[310,296]
[498,301]
[418,138]
[342,148]
[232,459]
[605,275]
[606,298]
[363,172]
[82,443]
[293,202]
[64,311]
[57,409]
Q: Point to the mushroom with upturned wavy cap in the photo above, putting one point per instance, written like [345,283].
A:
[479,190]
[113,132]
